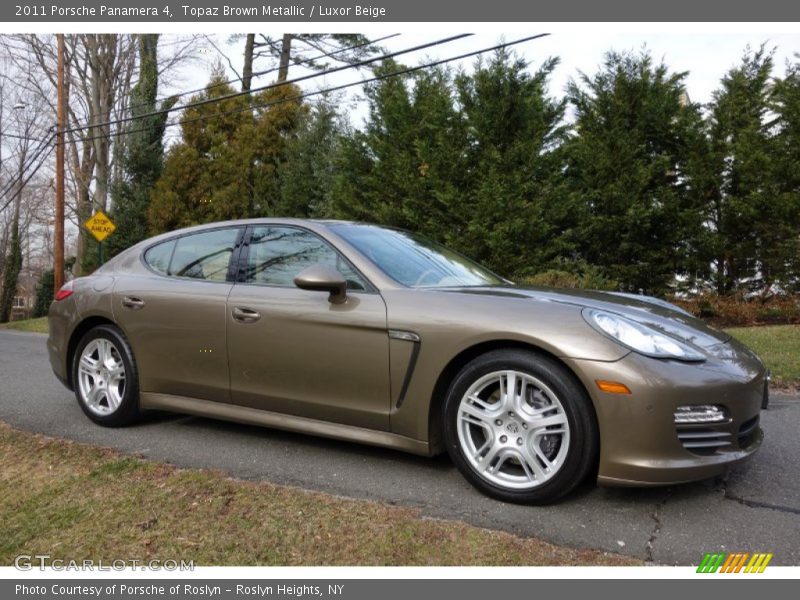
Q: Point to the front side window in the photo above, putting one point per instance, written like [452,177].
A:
[278,254]
[413,260]
[203,255]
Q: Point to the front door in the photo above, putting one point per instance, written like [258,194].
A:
[291,351]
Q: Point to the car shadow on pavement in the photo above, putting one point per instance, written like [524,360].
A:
[435,466]
[311,442]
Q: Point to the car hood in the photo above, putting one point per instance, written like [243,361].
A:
[647,310]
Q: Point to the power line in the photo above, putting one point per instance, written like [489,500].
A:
[24,167]
[34,153]
[22,183]
[304,95]
[270,86]
[265,72]
[273,85]
[374,79]
[20,137]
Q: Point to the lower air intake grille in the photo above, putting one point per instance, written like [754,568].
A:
[703,440]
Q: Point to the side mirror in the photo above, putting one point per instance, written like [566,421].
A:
[320,278]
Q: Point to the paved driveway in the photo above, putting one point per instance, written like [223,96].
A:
[756,509]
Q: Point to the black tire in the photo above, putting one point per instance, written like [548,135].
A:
[128,411]
[582,450]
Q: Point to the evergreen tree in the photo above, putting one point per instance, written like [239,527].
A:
[745,214]
[228,162]
[631,209]
[785,267]
[469,161]
[13,266]
[513,163]
[44,294]
[141,155]
[407,167]
[307,175]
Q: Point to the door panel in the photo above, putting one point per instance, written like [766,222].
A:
[291,350]
[177,334]
[305,356]
[176,321]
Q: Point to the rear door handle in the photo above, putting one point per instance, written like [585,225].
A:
[245,315]
[132,302]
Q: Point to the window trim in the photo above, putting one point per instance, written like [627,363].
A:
[233,260]
[244,255]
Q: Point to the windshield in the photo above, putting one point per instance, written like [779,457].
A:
[413,260]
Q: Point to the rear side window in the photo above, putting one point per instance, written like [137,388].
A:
[198,256]
[158,256]
[204,255]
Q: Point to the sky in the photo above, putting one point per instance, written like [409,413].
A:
[706,53]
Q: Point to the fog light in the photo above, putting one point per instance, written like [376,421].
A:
[700,413]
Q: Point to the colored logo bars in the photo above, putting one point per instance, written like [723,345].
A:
[735,562]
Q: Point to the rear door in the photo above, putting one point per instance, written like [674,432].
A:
[175,317]
[291,350]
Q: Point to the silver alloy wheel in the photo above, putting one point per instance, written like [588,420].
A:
[101,376]
[513,430]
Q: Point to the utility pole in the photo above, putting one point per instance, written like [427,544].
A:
[58,267]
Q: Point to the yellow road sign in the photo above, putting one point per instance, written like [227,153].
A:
[100,225]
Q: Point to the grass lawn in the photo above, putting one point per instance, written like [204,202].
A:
[34,325]
[74,501]
[778,346]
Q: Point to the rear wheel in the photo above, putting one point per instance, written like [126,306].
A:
[105,377]
[520,427]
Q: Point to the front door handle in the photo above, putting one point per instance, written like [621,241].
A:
[245,315]
[132,302]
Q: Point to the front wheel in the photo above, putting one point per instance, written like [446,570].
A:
[519,427]
[105,377]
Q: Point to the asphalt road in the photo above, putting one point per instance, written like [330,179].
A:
[756,509]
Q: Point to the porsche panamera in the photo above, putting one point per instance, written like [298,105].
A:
[379,336]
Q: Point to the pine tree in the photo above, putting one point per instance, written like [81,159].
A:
[13,266]
[746,214]
[407,167]
[228,162]
[44,294]
[785,266]
[513,164]
[141,155]
[469,161]
[631,208]
[306,177]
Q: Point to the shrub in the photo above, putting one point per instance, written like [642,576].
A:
[589,279]
[737,310]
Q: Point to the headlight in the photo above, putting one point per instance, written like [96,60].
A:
[640,338]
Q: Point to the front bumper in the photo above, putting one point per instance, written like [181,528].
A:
[639,440]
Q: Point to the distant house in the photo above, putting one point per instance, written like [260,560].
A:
[25,297]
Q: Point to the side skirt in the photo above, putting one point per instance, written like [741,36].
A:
[253,416]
